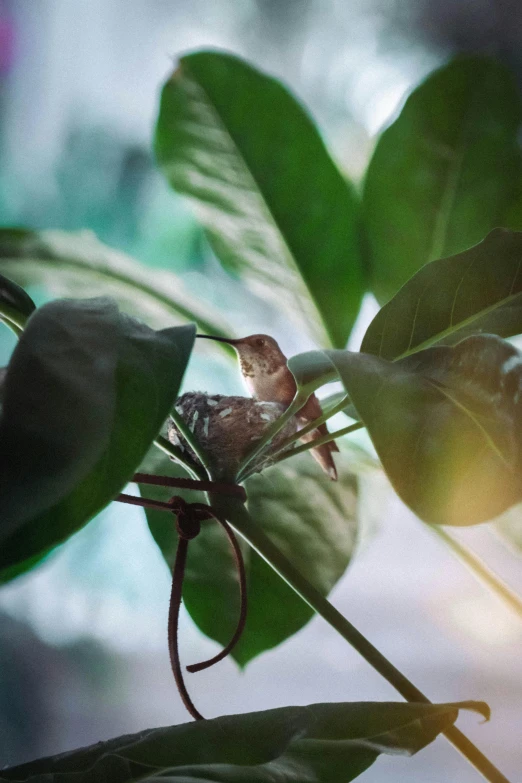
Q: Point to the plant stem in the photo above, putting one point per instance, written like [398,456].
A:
[296,404]
[190,438]
[299,449]
[236,513]
[480,570]
[12,324]
[324,439]
[313,424]
[178,456]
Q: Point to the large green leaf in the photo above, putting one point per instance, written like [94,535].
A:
[445,173]
[277,210]
[314,523]
[479,290]
[15,305]
[320,743]
[86,392]
[68,264]
[446,424]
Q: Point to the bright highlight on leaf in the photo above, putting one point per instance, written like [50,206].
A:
[446,172]
[446,424]
[67,262]
[479,290]
[277,211]
[15,305]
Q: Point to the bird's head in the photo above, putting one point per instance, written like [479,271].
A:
[256,350]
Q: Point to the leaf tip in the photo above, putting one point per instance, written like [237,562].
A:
[477,706]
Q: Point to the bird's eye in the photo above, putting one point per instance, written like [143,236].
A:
[260,342]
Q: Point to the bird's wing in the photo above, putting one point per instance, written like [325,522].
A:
[310,411]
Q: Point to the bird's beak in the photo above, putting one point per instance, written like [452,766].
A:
[219,339]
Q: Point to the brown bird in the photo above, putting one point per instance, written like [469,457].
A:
[268,379]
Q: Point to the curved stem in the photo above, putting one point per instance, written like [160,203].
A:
[178,456]
[12,324]
[173,622]
[191,439]
[296,404]
[241,521]
[313,425]
[243,602]
[299,449]
[358,425]
[480,570]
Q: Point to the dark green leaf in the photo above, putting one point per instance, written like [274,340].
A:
[479,290]
[321,743]
[446,424]
[445,173]
[86,392]
[15,305]
[312,521]
[70,263]
[277,210]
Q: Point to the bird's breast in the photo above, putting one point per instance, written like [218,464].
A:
[278,386]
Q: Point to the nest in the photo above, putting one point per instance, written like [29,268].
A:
[226,428]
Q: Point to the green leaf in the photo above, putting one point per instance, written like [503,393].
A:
[312,370]
[15,305]
[320,743]
[86,392]
[314,523]
[479,290]
[277,210]
[446,425]
[71,263]
[445,173]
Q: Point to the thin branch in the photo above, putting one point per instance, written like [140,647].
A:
[270,432]
[190,438]
[243,602]
[136,500]
[313,425]
[241,521]
[11,324]
[179,457]
[358,425]
[480,570]
[194,484]
[173,622]
[300,449]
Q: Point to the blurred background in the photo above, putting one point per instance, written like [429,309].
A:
[83,638]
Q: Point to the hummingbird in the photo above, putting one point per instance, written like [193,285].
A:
[268,379]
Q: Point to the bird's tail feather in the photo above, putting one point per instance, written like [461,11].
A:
[323,454]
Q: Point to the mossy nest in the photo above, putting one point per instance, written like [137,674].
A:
[226,428]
